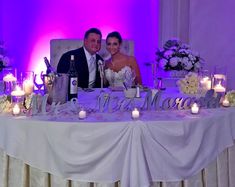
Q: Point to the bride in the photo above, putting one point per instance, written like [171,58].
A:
[120,67]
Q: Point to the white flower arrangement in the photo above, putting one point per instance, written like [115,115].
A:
[231,97]
[4,60]
[178,56]
[189,84]
[5,105]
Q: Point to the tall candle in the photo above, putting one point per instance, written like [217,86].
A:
[206,83]
[28,86]
[137,91]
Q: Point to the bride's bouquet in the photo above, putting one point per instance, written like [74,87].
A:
[178,56]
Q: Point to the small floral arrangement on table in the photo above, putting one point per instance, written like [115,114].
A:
[4,60]
[231,97]
[189,84]
[178,56]
[5,104]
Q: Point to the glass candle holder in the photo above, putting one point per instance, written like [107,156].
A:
[219,83]
[205,81]
[17,95]
[135,114]
[82,114]
[27,80]
[9,80]
[225,102]
[194,108]
[16,110]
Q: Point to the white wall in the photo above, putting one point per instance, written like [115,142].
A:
[1,24]
[212,30]
[209,29]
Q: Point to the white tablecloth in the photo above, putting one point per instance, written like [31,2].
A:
[160,146]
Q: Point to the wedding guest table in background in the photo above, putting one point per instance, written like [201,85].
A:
[172,146]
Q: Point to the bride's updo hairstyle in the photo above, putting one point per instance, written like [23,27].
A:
[115,34]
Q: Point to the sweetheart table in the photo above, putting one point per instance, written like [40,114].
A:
[161,148]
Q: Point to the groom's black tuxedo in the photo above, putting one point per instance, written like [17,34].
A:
[81,67]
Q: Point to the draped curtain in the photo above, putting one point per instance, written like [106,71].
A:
[174,20]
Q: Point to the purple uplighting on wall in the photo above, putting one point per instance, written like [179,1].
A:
[28,26]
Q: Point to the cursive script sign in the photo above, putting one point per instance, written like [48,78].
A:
[156,102]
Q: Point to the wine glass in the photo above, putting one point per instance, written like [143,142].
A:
[112,79]
[39,86]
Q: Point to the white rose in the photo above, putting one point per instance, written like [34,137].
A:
[174,61]
[187,65]
[162,63]
[173,48]
[185,60]
[6,61]
[168,53]
[197,65]
[188,51]
[185,46]
[182,50]
[191,57]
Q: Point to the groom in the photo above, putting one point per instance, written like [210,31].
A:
[86,60]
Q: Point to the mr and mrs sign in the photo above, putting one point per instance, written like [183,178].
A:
[106,102]
[155,102]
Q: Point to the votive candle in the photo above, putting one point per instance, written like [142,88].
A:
[225,102]
[16,110]
[82,114]
[219,88]
[28,86]
[194,109]
[135,113]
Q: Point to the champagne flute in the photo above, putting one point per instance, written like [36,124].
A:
[130,77]
[39,86]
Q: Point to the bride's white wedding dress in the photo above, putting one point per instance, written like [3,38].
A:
[116,79]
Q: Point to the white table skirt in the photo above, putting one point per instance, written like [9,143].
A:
[14,173]
[176,146]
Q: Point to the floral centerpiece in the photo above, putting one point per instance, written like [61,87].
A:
[5,104]
[189,84]
[4,60]
[231,97]
[178,56]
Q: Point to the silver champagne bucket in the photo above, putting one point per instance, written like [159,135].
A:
[57,87]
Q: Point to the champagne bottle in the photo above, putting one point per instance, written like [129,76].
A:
[1,65]
[50,69]
[73,80]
